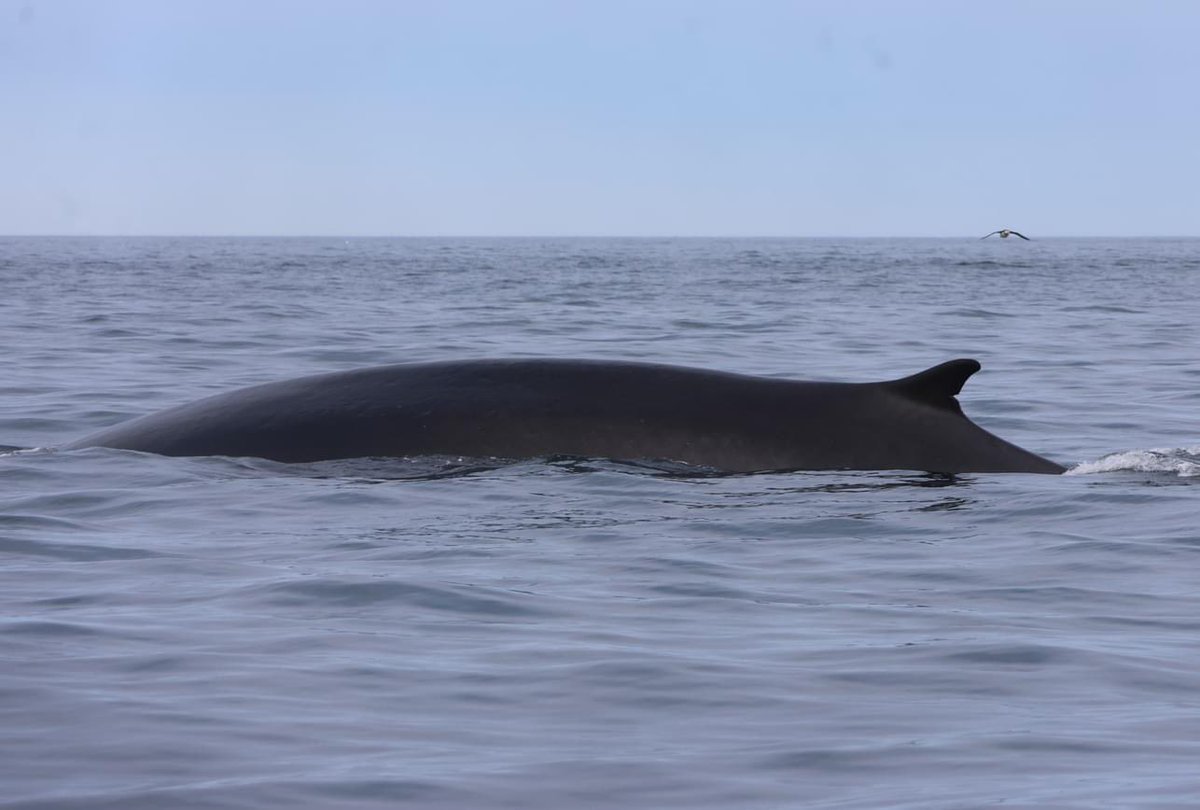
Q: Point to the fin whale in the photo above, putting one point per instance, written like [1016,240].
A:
[529,408]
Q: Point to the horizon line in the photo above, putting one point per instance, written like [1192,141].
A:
[558,236]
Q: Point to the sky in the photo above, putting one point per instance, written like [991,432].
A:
[604,118]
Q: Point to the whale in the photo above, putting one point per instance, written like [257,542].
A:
[543,408]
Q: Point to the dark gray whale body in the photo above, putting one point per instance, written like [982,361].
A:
[589,408]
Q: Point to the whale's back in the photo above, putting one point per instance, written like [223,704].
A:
[535,408]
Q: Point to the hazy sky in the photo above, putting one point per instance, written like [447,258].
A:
[651,117]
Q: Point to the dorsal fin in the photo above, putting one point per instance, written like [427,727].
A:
[939,385]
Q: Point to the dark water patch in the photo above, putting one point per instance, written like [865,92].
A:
[684,323]
[992,263]
[1049,744]
[70,601]
[982,314]
[1012,655]
[1105,309]
[483,602]
[1054,594]
[76,552]
[383,791]
[846,761]
[703,590]
[596,262]
[50,630]
[117,333]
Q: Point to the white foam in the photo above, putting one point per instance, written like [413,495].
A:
[23,451]
[1182,461]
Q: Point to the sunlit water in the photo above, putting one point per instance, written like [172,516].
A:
[571,633]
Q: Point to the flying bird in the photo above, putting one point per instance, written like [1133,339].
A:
[1007,232]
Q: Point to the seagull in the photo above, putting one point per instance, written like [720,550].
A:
[1007,232]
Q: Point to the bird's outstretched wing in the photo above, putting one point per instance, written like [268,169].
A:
[993,233]
[1023,236]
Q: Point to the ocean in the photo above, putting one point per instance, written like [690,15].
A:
[595,633]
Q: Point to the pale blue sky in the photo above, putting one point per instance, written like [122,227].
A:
[516,117]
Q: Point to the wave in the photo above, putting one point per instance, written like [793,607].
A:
[15,450]
[991,263]
[1181,461]
[1108,310]
[977,313]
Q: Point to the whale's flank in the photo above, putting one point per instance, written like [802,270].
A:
[525,408]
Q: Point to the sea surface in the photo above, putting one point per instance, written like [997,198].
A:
[588,633]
